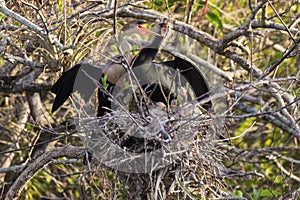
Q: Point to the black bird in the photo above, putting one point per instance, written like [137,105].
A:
[187,68]
[142,66]
[73,79]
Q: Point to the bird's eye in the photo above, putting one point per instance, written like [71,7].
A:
[140,26]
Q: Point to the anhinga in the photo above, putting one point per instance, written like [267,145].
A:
[144,58]
[76,77]
[186,67]
[114,69]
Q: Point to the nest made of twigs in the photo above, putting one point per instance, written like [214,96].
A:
[186,131]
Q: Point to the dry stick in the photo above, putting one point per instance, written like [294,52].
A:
[238,136]
[21,167]
[65,21]
[278,62]
[43,160]
[188,10]
[37,144]
[296,43]
[289,159]
[254,113]
[271,25]
[115,18]
[24,61]
[285,171]
[283,23]
[181,185]
[271,117]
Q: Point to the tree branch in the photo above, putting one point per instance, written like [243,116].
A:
[32,168]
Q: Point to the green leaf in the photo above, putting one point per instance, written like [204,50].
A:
[126,86]
[110,176]
[276,193]
[294,93]
[2,16]
[134,48]
[29,127]
[104,81]
[60,5]
[158,2]
[214,17]
[70,180]
[265,193]
[238,193]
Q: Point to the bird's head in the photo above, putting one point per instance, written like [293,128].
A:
[135,26]
[160,29]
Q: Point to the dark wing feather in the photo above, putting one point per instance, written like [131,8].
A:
[78,78]
[193,75]
[63,87]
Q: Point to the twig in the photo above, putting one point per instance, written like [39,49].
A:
[270,25]
[115,18]
[286,172]
[37,144]
[22,166]
[285,112]
[23,61]
[276,120]
[279,61]
[283,23]
[238,136]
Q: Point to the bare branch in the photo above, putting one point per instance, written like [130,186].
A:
[36,165]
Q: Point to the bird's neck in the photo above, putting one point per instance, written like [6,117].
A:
[156,42]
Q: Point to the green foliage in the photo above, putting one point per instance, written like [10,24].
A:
[38,186]
[238,193]
[296,92]
[133,48]
[29,127]
[264,193]
[60,5]
[215,17]
[104,81]
[2,16]
[158,3]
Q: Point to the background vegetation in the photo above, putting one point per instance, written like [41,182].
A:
[253,46]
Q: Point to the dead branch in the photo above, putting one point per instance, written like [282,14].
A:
[36,165]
